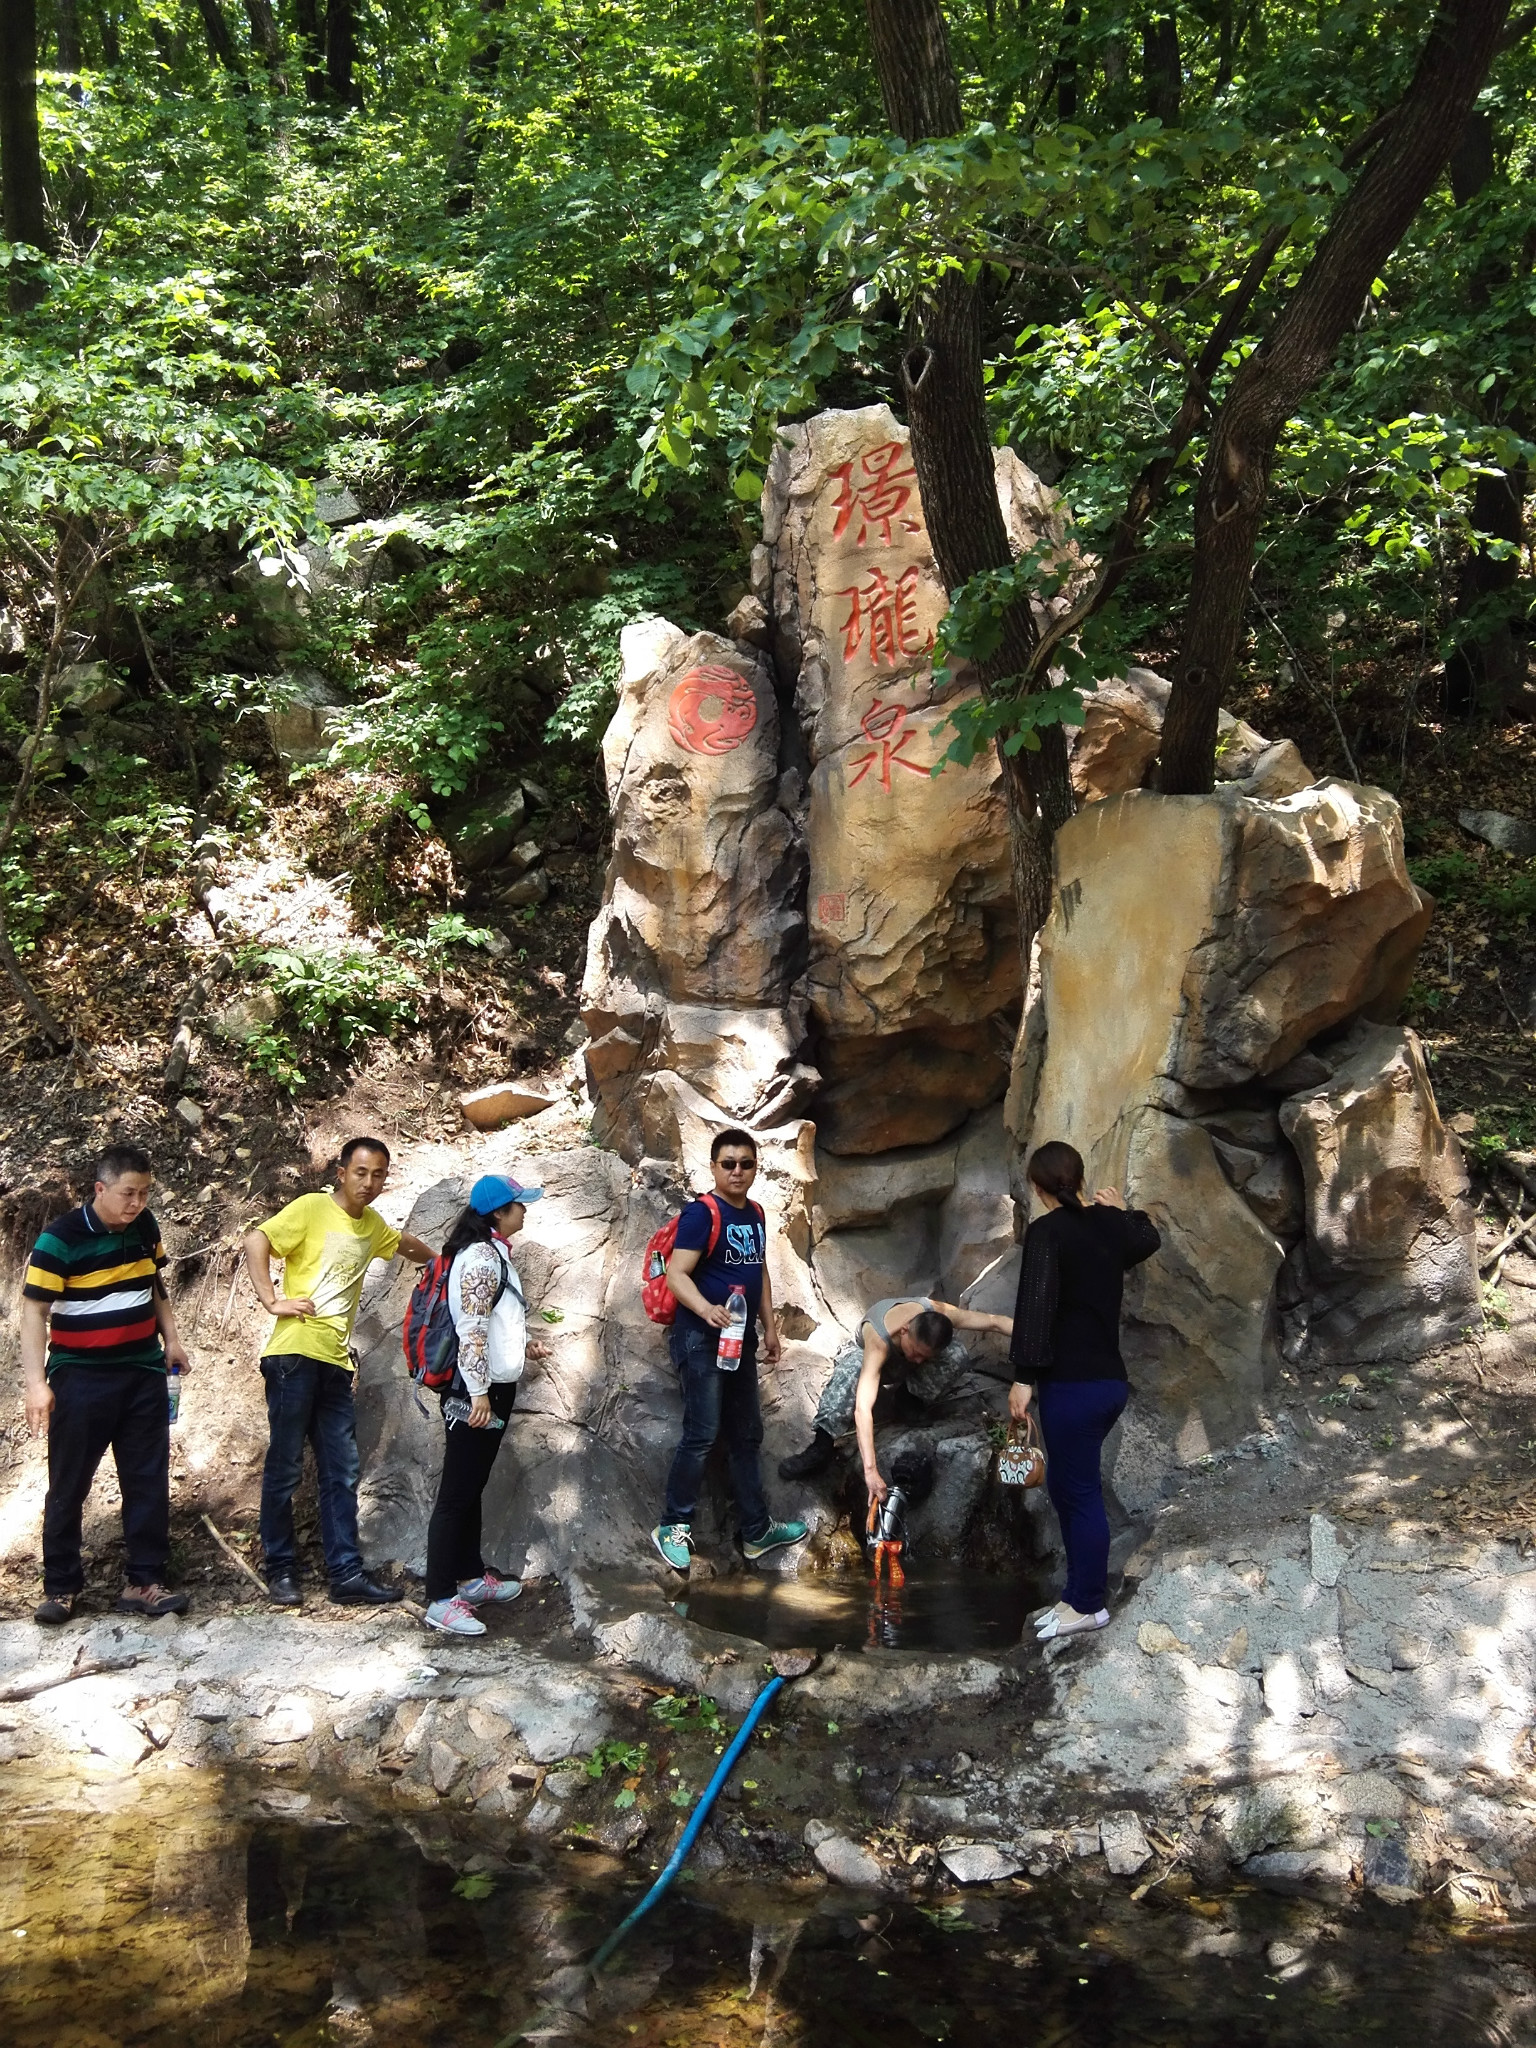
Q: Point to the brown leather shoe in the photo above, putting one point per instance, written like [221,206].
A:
[151,1601]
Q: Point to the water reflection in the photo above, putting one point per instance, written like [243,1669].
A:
[168,1923]
[931,1610]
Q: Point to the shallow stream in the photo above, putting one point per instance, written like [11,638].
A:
[936,1609]
[194,1916]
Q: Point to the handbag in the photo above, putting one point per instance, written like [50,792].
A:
[1021,1461]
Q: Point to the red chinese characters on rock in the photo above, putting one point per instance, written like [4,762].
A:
[885,613]
[880,497]
[712,710]
[888,727]
[832,908]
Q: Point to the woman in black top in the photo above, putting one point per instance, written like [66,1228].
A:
[1066,1345]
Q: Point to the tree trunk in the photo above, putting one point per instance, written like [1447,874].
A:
[67,30]
[221,44]
[111,43]
[312,40]
[952,448]
[1066,64]
[760,66]
[1162,69]
[1485,672]
[21,156]
[1234,483]
[341,52]
[266,40]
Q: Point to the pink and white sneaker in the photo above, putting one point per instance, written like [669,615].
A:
[454,1618]
[488,1590]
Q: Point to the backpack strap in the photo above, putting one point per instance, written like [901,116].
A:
[716,1221]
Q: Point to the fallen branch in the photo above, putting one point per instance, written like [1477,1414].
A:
[83,1667]
[234,1556]
[1520,1227]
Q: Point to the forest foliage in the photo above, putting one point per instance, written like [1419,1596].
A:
[538,280]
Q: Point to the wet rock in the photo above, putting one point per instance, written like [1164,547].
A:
[845,1862]
[1083,1842]
[728,1668]
[502,1102]
[1270,1816]
[1126,1848]
[1499,830]
[1390,1871]
[852,1687]
[1294,1866]
[544,1816]
[978,1862]
[1388,1268]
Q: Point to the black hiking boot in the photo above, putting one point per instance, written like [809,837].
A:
[816,1457]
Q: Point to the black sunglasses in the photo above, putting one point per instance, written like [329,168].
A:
[735,1165]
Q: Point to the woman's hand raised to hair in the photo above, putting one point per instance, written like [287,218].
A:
[1110,1197]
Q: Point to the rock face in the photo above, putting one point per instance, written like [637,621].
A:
[1237,936]
[913,939]
[1388,1264]
[692,960]
[808,932]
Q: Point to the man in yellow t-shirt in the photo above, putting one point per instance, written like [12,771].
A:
[326,1243]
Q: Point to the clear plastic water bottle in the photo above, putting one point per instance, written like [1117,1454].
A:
[733,1336]
[173,1389]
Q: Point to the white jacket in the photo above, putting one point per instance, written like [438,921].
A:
[493,1341]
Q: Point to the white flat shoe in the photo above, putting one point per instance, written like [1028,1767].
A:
[1055,1626]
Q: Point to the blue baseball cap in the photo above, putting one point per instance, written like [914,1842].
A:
[493,1191]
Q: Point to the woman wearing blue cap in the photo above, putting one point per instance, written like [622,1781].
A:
[485,1297]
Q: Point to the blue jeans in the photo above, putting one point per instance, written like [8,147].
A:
[308,1399]
[1075,1418]
[716,1402]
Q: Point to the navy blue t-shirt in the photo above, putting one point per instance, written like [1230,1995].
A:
[736,1261]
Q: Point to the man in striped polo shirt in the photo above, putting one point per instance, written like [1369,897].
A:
[97,1333]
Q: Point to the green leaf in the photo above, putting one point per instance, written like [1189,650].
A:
[748,486]
[475,1884]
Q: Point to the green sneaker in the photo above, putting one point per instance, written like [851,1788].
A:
[675,1543]
[774,1537]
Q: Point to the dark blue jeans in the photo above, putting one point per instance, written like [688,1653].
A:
[94,1407]
[716,1403]
[1075,1418]
[308,1400]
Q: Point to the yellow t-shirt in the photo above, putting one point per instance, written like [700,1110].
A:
[325,1254]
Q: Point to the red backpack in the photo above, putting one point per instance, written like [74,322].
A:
[660,1302]
[431,1341]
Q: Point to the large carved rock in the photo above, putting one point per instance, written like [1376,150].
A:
[1196,949]
[912,926]
[1388,1267]
[692,960]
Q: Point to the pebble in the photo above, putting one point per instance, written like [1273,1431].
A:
[845,1862]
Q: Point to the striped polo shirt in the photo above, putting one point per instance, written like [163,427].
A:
[100,1286]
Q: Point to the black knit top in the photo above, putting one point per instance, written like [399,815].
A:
[1066,1325]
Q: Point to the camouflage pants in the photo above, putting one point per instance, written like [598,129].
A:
[929,1383]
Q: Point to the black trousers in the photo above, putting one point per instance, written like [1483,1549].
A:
[123,1407]
[453,1534]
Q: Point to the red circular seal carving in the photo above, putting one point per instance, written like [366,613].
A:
[712,710]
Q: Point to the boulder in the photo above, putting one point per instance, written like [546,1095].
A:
[335,505]
[1258,925]
[302,716]
[480,834]
[1118,739]
[883,1094]
[502,1102]
[1388,1267]
[87,687]
[1499,830]
[701,911]
[911,918]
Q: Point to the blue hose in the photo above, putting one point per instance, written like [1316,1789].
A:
[696,1821]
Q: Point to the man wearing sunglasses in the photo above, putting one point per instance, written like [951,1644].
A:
[706,1264]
